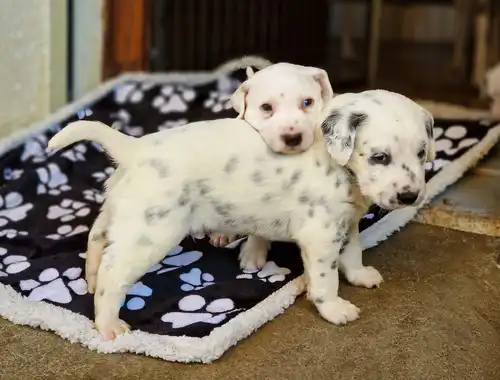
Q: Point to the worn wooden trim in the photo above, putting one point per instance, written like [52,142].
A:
[126,36]
[58,53]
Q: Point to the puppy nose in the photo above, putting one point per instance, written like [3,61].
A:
[292,140]
[407,198]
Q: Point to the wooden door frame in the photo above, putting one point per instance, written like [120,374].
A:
[126,36]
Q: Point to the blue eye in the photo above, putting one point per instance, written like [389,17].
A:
[308,102]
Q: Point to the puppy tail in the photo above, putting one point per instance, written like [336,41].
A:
[116,144]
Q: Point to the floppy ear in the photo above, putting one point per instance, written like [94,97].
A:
[238,99]
[429,128]
[339,131]
[321,77]
[249,72]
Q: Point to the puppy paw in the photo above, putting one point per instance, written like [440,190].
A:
[219,241]
[338,311]
[253,256]
[111,329]
[91,283]
[367,277]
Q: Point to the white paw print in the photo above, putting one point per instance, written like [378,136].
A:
[93,195]
[12,264]
[218,101]
[138,292]
[270,273]
[104,175]
[169,124]
[52,180]
[131,92]
[12,174]
[194,309]
[66,231]
[35,149]
[82,114]
[68,210]
[195,280]
[437,164]
[173,98]
[10,233]
[76,153]
[176,259]
[12,208]
[51,285]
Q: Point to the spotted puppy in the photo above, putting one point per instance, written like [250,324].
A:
[165,193]
[284,103]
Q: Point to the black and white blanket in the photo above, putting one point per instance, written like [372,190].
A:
[196,303]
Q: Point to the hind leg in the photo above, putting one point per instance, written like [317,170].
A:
[136,245]
[97,242]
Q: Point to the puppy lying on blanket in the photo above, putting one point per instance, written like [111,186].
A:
[377,139]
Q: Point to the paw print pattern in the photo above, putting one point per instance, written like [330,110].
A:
[173,98]
[176,259]
[93,195]
[104,175]
[12,264]
[10,174]
[138,292]
[218,101]
[52,286]
[66,231]
[76,153]
[194,309]
[10,233]
[169,124]
[270,273]
[82,114]
[34,149]
[52,180]
[195,280]
[68,210]
[131,92]
[12,208]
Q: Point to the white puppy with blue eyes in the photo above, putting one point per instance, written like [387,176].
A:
[370,148]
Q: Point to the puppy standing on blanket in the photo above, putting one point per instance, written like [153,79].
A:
[382,138]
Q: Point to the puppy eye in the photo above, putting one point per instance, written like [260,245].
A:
[422,154]
[380,159]
[308,102]
[266,107]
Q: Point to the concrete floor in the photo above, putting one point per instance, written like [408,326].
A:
[436,316]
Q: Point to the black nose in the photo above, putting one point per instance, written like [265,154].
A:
[407,198]
[292,140]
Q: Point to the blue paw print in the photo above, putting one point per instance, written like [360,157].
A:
[138,291]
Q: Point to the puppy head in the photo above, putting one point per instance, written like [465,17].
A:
[385,139]
[284,103]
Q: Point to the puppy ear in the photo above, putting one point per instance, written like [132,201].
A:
[339,131]
[238,99]
[321,77]
[429,128]
[249,72]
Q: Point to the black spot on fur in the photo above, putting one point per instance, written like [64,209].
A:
[279,170]
[203,187]
[338,182]
[304,199]
[327,126]
[278,223]
[429,125]
[184,197]
[101,292]
[343,245]
[334,265]
[144,241]
[319,300]
[411,174]
[267,197]
[323,274]
[223,209]
[257,177]
[159,166]
[231,164]
[310,213]
[155,213]
[99,236]
[321,261]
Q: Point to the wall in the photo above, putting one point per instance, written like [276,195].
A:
[24,75]
[422,23]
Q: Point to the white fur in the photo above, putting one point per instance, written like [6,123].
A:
[187,180]
[295,96]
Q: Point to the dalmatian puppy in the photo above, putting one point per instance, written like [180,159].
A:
[284,103]
[370,148]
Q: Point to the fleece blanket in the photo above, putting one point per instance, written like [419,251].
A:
[196,302]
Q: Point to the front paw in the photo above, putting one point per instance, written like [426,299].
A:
[219,241]
[367,277]
[338,311]
[252,256]
[110,329]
